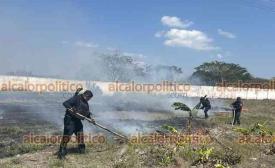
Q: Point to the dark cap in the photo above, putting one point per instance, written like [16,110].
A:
[88,93]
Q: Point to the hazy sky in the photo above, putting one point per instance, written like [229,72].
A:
[56,37]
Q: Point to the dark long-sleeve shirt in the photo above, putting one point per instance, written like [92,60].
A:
[237,105]
[205,104]
[79,103]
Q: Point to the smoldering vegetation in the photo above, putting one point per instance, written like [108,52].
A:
[22,113]
[126,113]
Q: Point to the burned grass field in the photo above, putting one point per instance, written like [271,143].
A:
[25,113]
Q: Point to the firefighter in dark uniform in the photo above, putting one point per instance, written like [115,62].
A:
[72,122]
[205,105]
[237,109]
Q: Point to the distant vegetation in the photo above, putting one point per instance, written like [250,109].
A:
[125,68]
[211,73]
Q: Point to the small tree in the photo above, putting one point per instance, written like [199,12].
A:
[184,107]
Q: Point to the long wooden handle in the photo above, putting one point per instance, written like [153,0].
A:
[100,126]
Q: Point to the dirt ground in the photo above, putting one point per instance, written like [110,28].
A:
[20,118]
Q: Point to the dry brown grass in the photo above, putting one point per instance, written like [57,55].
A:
[135,156]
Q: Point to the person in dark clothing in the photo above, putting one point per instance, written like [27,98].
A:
[206,105]
[72,122]
[237,109]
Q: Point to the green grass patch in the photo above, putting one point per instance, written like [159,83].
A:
[21,149]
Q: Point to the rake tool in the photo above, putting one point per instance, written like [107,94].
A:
[99,125]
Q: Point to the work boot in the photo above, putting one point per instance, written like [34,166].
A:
[62,153]
[81,148]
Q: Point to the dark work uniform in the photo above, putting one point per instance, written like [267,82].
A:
[206,106]
[72,123]
[237,108]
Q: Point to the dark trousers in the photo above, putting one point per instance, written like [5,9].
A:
[205,111]
[237,117]
[72,126]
